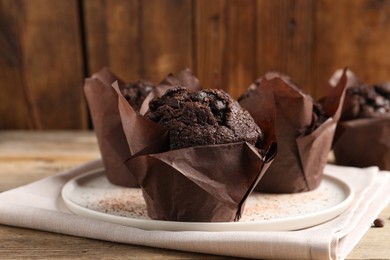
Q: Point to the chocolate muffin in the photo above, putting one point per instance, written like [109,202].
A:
[318,117]
[365,101]
[362,138]
[304,129]
[136,92]
[203,117]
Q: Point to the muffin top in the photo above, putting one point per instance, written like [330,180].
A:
[203,117]
[136,92]
[365,101]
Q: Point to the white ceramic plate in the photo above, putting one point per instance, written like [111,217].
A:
[91,195]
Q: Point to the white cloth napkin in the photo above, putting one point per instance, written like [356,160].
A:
[39,206]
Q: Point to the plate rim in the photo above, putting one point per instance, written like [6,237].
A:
[294,223]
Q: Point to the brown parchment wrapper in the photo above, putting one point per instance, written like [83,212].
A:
[361,142]
[103,105]
[302,155]
[197,184]
[364,143]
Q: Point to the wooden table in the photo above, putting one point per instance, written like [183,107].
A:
[29,156]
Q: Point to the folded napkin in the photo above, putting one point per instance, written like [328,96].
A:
[39,206]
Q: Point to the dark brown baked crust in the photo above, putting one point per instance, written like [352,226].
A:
[319,117]
[365,101]
[136,92]
[203,117]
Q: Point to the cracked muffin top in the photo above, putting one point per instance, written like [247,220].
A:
[204,117]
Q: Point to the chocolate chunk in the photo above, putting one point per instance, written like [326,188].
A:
[383,89]
[379,222]
[380,101]
[198,96]
[172,102]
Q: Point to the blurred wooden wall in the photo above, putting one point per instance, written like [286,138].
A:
[48,47]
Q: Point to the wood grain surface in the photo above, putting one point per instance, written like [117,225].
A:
[41,70]
[293,22]
[354,34]
[47,47]
[28,156]
[138,39]
[225,44]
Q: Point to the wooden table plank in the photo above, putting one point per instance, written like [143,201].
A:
[41,66]
[376,242]
[138,39]
[352,34]
[28,156]
[225,45]
[285,40]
